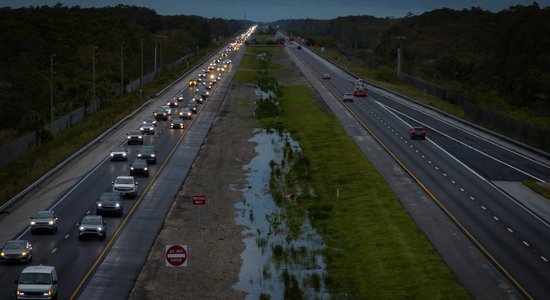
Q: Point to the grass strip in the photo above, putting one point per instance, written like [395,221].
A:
[538,188]
[374,249]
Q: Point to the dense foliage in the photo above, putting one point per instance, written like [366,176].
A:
[35,41]
[493,58]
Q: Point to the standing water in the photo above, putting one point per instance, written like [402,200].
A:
[274,265]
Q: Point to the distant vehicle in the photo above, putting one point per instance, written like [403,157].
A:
[360,88]
[193,82]
[176,123]
[110,202]
[192,105]
[418,133]
[147,128]
[167,109]
[326,76]
[44,220]
[148,153]
[348,97]
[172,103]
[134,137]
[179,97]
[299,47]
[92,226]
[139,167]
[185,113]
[150,119]
[37,282]
[126,186]
[16,251]
[160,114]
[119,153]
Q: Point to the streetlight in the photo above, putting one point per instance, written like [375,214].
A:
[122,68]
[93,76]
[141,78]
[400,38]
[51,87]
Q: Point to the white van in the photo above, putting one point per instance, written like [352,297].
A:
[37,282]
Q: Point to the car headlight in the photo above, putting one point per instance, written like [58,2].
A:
[48,293]
[117,205]
[152,155]
[24,253]
[140,137]
[141,128]
[81,228]
[139,155]
[145,169]
[123,154]
[99,205]
[131,168]
[2,254]
[100,228]
[50,222]
[112,154]
[33,222]
[129,137]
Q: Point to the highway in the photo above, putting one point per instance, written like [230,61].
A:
[76,260]
[460,170]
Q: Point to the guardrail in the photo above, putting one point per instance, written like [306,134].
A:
[33,185]
[458,119]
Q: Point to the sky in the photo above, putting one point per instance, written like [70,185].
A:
[272,10]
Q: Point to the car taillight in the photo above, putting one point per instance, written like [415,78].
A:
[413,130]
[423,131]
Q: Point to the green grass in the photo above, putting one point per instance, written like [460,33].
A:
[38,160]
[537,188]
[374,249]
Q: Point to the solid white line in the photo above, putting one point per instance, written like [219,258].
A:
[496,218]
[544,258]
[526,244]
[509,229]
[53,250]
[445,174]
[468,146]
[67,236]
[468,132]
[483,207]
[472,198]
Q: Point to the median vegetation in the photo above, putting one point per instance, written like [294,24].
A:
[374,249]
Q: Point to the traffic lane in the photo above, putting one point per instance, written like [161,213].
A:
[477,215]
[515,166]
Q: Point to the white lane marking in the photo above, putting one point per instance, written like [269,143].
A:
[436,167]
[510,229]
[67,236]
[53,251]
[466,131]
[483,207]
[465,145]
[496,218]
[472,198]
[461,189]
[476,174]
[445,174]
[544,258]
[454,182]
[526,244]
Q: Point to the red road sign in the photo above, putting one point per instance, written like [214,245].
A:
[176,255]
[199,200]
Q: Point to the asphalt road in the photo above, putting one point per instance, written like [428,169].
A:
[76,260]
[458,166]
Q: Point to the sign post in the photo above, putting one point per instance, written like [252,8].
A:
[176,256]
[200,201]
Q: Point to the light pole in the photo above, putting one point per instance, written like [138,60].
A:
[155,64]
[93,77]
[141,77]
[400,38]
[121,69]
[51,88]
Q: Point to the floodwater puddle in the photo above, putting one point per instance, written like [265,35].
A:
[280,261]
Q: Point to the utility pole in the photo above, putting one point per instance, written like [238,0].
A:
[93,77]
[155,64]
[141,77]
[400,38]
[51,88]
[121,69]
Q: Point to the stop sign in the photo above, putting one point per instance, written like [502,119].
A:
[176,255]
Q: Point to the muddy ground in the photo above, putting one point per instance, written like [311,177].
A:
[216,243]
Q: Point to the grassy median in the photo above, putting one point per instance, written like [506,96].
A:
[374,249]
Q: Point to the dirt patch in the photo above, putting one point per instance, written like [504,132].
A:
[214,242]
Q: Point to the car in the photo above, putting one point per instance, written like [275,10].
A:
[348,97]
[176,123]
[119,153]
[326,76]
[160,114]
[44,220]
[37,282]
[110,202]
[299,47]
[148,153]
[167,109]
[418,133]
[126,186]
[192,105]
[193,82]
[172,103]
[134,137]
[179,97]
[185,113]
[16,251]
[198,98]
[139,167]
[150,119]
[147,128]
[92,226]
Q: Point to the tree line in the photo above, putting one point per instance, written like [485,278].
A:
[53,51]
[494,58]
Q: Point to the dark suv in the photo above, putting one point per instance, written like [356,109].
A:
[147,153]
[110,202]
[135,137]
[418,133]
[139,167]
[44,220]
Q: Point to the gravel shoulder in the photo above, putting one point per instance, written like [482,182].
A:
[214,242]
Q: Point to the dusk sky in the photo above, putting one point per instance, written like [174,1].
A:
[272,10]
